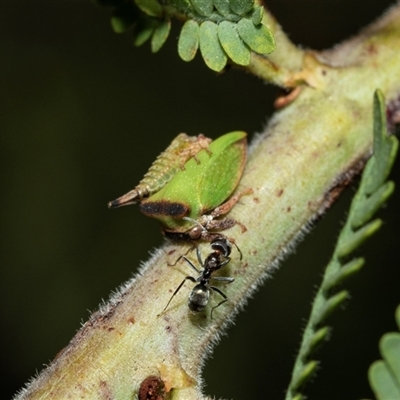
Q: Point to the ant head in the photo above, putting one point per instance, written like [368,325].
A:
[222,245]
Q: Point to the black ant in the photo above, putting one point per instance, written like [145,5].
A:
[200,294]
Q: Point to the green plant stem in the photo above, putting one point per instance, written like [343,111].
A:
[296,170]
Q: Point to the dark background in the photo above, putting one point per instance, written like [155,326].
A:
[83,115]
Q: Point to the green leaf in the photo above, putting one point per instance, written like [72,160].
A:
[385,148]
[160,35]
[210,47]
[259,38]
[304,374]
[203,7]
[188,40]
[222,7]
[355,231]
[257,15]
[241,7]
[236,49]
[344,272]
[390,351]
[143,30]
[348,243]
[150,7]
[316,339]
[382,382]
[331,304]
[124,17]
[384,375]
[369,205]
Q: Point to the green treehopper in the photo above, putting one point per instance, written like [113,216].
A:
[189,203]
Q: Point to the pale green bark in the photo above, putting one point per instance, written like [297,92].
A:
[295,169]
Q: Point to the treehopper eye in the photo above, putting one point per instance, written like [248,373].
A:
[166,165]
[195,196]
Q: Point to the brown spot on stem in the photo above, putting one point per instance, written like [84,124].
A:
[279,192]
[372,49]
[152,388]
[105,391]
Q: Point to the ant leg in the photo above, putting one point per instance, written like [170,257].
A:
[226,279]
[177,290]
[180,257]
[221,302]
[199,256]
[188,261]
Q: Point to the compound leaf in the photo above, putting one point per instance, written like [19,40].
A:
[384,375]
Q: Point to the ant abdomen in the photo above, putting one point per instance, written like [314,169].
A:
[198,298]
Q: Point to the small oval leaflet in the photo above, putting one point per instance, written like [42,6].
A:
[150,7]
[257,15]
[259,38]
[160,35]
[210,47]
[124,17]
[222,7]
[233,45]
[143,30]
[203,7]
[188,40]
[241,7]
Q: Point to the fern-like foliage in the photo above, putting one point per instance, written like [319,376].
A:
[222,29]
[384,375]
[373,191]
